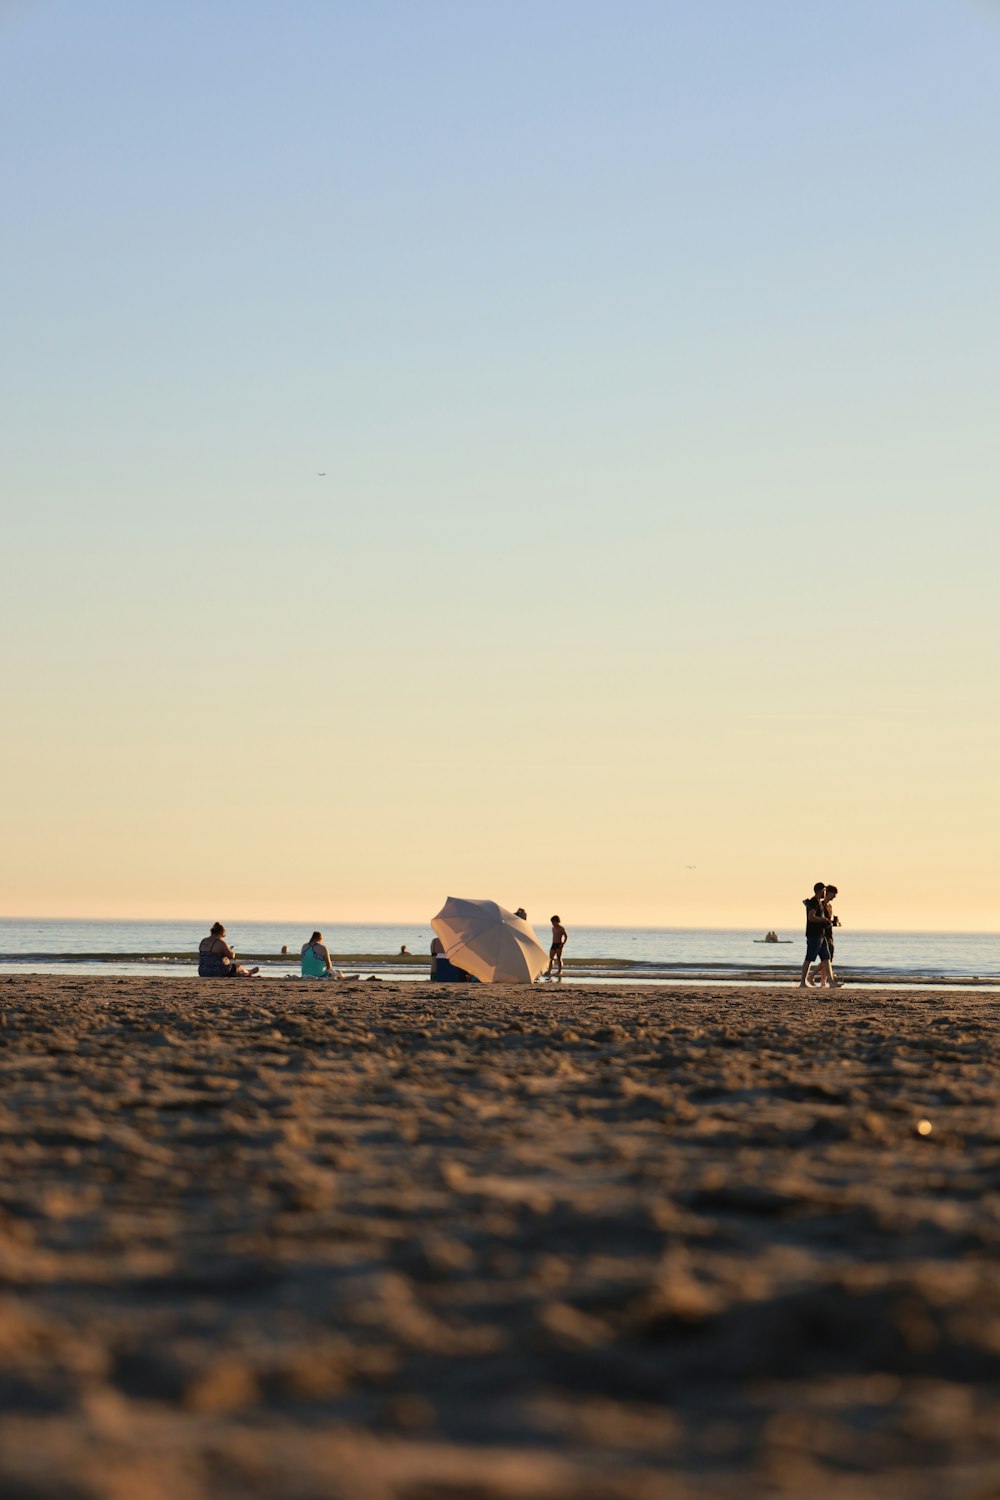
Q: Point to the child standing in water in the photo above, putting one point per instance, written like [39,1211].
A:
[559,936]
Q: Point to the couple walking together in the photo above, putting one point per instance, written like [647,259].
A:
[820,922]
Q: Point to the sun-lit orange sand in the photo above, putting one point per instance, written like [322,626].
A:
[380,1242]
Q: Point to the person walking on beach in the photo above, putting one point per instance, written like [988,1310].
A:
[216,960]
[816,944]
[831,922]
[559,939]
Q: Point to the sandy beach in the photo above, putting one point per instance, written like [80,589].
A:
[374,1242]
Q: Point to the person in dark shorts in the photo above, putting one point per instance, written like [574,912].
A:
[559,936]
[216,960]
[831,922]
[816,943]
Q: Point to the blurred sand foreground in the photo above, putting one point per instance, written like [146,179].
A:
[377,1242]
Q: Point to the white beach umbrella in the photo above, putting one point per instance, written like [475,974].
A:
[489,941]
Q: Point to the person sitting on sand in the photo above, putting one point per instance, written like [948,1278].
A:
[559,938]
[444,972]
[816,944]
[316,960]
[216,960]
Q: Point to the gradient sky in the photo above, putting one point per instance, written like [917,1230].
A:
[651,355]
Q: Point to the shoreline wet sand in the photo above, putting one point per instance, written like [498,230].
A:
[414,968]
[389,1242]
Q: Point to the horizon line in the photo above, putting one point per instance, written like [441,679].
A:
[426,921]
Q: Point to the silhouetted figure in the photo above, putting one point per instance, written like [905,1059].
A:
[816,943]
[559,940]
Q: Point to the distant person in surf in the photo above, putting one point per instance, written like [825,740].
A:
[216,960]
[816,943]
[559,939]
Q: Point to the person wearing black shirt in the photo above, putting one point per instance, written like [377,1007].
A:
[817,946]
[828,926]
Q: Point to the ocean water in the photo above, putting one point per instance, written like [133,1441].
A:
[610,953]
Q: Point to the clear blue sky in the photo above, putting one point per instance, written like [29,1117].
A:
[661,331]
